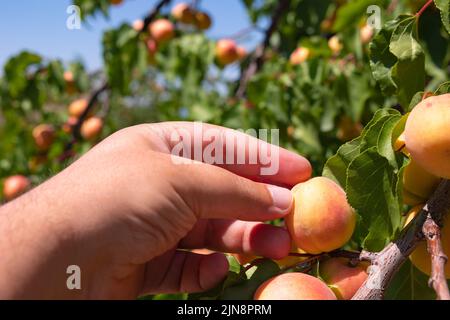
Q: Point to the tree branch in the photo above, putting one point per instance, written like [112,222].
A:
[257,59]
[390,259]
[437,281]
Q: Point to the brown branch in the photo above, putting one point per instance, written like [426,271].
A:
[257,58]
[387,262]
[437,281]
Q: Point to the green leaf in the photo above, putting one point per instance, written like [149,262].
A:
[444,8]
[372,191]
[264,270]
[350,13]
[398,60]
[409,284]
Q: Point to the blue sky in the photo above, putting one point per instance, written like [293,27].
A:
[40,26]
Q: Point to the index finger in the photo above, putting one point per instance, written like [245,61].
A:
[234,151]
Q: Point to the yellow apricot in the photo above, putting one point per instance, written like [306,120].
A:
[322,220]
[299,56]
[226,51]
[419,182]
[426,135]
[342,278]
[294,286]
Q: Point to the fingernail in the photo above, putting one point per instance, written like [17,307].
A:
[282,199]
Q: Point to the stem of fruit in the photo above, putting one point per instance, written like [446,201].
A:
[425,6]
[387,262]
[438,281]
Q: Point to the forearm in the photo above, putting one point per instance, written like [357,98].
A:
[37,241]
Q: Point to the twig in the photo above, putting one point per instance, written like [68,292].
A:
[258,55]
[422,10]
[387,262]
[437,281]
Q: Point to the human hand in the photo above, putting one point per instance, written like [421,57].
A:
[127,210]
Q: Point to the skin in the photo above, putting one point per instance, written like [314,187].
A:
[162,30]
[299,56]
[342,278]
[14,186]
[420,257]
[426,135]
[322,219]
[294,286]
[126,212]
[226,51]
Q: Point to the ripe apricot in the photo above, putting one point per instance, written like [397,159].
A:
[91,128]
[348,129]
[14,186]
[322,220]
[420,257]
[202,21]
[77,107]
[162,30]
[183,13]
[294,286]
[366,34]
[138,24]
[343,278]
[418,182]
[426,135]
[299,56]
[43,135]
[335,45]
[226,51]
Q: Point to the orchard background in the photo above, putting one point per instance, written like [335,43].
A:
[338,79]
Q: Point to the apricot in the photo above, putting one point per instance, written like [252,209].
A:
[152,49]
[77,107]
[294,286]
[226,51]
[335,45]
[418,182]
[366,34]
[343,278]
[183,13]
[138,25]
[91,128]
[322,220]
[299,56]
[162,30]
[420,257]
[14,186]
[348,129]
[410,199]
[43,135]
[426,135]
[69,124]
[242,53]
[202,21]
[115,2]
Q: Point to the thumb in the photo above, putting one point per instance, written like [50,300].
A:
[215,193]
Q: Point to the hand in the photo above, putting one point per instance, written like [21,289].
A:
[127,210]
